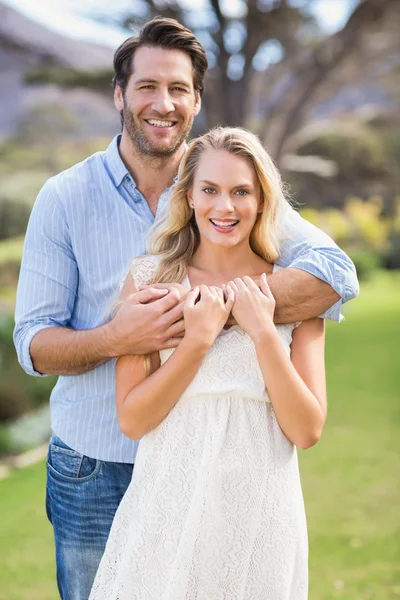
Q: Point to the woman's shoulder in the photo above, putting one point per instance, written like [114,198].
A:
[143,268]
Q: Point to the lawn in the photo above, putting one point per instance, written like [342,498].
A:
[350,479]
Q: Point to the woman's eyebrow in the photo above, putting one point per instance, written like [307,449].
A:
[244,184]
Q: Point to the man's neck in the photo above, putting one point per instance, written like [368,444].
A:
[152,174]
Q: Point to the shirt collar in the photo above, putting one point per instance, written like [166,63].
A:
[115,164]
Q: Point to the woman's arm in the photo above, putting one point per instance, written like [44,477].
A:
[296,385]
[145,391]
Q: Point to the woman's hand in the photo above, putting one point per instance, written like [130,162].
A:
[254,306]
[206,310]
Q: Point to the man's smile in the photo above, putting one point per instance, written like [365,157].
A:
[160,124]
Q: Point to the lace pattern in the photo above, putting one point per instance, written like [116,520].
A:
[215,508]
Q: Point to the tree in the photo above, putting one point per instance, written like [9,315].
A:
[272,98]
[270,62]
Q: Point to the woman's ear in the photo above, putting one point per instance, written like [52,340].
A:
[260,206]
[190,199]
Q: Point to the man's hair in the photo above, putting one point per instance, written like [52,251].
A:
[164,33]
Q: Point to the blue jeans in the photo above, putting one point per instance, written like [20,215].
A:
[82,496]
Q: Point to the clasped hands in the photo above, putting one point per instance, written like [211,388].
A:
[202,312]
[160,316]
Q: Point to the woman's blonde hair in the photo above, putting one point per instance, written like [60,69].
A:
[176,237]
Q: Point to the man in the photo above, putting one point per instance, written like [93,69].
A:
[86,226]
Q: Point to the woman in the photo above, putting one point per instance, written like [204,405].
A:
[215,508]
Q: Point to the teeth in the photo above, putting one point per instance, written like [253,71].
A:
[223,223]
[160,123]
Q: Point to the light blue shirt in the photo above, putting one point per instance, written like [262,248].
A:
[86,226]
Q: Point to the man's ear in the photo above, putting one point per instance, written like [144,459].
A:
[118,98]
[197,106]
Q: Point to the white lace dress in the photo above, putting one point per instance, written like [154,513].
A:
[215,508]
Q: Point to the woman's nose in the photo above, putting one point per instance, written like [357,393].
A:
[225,203]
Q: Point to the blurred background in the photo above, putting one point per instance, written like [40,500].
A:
[319,82]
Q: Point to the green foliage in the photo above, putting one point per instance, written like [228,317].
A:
[4,439]
[362,153]
[366,263]
[28,160]
[100,81]
[364,229]
[10,260]
[14,218]
[19,392]
[367,158]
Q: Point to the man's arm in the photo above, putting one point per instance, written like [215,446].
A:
[320,274]
[47,289]
[300,296]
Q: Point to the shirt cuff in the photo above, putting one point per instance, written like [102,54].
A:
[329,274]
[24,354]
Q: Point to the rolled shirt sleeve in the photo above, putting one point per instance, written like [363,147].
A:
[49,275]
[306,247]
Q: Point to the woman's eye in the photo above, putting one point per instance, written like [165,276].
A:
[242,192]
[209,190]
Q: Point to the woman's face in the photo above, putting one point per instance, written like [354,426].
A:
[226,198]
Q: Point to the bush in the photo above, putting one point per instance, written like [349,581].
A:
[5,440]
[362,154]
[366,263]
[14,218]
[9,272]
[14,402]
[392,257]
[19,393]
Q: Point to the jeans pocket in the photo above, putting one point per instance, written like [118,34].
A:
[69,465]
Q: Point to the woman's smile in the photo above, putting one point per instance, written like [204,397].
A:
[224,225]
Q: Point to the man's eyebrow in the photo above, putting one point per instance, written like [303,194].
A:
[184,83]
[146,81]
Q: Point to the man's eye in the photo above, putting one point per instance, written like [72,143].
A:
[209,190]
[178,89]
[147,87]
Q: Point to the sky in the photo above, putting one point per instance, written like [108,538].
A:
[74,18]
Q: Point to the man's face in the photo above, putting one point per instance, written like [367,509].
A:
[159,102]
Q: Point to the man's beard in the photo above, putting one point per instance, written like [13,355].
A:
[144,145]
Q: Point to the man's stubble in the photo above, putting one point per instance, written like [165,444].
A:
[143,144]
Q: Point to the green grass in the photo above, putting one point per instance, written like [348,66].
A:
[350,479]
[27,569]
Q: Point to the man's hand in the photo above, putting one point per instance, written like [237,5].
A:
[147,321]
[183,291]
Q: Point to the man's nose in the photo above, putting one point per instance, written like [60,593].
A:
[162,103]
